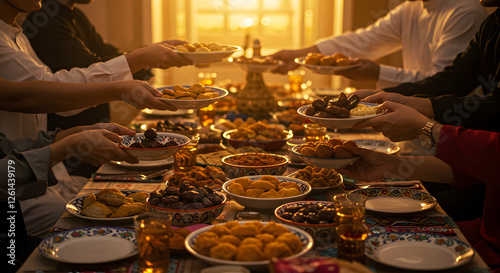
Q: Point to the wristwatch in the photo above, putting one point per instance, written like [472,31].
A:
[425,135]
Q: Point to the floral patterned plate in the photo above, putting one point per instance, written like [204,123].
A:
[397,200]
[418,250]
[90,245]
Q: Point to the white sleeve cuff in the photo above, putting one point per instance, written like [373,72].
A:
[326,47]
[119,68]
[388,73]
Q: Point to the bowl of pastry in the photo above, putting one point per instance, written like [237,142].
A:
[109,204]
[266,192]
[152,145]
[331,154]
[192,96]
[322,64]
[206,52]
[246,164]
[259,134]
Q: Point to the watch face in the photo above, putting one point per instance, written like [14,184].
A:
[425,141]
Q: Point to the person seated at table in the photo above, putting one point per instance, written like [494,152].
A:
[464,157]
[429,33]
[20,63]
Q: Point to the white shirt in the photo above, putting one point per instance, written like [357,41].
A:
[18,62]
[430,35]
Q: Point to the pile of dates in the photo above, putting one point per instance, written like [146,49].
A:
[171,126]
[310,213]
[150,141]
[185,197]
[339,107]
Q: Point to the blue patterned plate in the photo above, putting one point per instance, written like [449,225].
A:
[397,200]
[90,245]
[74,206]
[418,250]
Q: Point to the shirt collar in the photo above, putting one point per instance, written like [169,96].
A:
[11,31]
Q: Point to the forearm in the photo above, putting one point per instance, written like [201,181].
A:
[137,60]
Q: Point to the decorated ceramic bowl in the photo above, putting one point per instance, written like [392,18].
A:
[271,145]
[182,218]
[153,153]
[320,232]
[237,170]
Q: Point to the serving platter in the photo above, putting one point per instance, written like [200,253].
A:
[418,250]
[325,69]
[210,57]
[396,200]
[145,163]
[90,245]
[194,104]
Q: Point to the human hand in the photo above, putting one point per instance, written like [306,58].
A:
[368,71]
[161,55]
[288,58]
[399,123]
[174,42]
[422,105]
[371,166]
[141,95]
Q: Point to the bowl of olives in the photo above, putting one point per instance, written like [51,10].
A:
[187,204]
[152,145]
[315,217]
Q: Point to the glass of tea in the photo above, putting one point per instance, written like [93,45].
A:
[350,230]
[296,79]
[314,132]
[153,231]
[207,115]
[185,158]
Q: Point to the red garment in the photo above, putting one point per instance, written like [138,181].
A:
[474,156]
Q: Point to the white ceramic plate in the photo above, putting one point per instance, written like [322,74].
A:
[378,145]
[307,243]
[154,112]
[328,163]
[74,206]
[210,57]
[194,104]
[259,68]
[337,123]
[145,163]
[418,251]
[325,69]
[90,245]
[397,200]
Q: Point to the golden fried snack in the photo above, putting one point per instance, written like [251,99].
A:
[254,193]
[181,94]
[342,152]
[350,143]
[257,224]
[179,88]
[169,92]
[231,224]
[139,197]
[113,208]
[130,209]
[277,250]
[335,141]
[271,179]
[307,151]
[265,238]
[236,189]
[230,239]
[98,210]
[292,241]
[288,192]
[89,200]
[244,181]
[224,251]
[270,194]
[112,196]
[197,88]
[249,253]
[328,61]
[205,241]
[313,58]
[325,150]
[220,230]
[289,185]
[244,231]
[261,184]
[207,95]
[252,241]
[274,229]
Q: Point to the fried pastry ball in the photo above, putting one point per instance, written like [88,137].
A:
[274,229]
[335,141]
[325,150]
[257,224]
[220,230]
[292,241]
[270,194]
[255,193]
[271,179]
[342,152]
[288,185]
[288,192]
[265,238]
[230,239]
[244,181]
[231,224]
[252,241]
[350,143]
[244,231]
[277,250]
[328,60]
[261,184]
[307,151]
[236,189]
[224,251]
[205,241]
[249,252]
[197,88]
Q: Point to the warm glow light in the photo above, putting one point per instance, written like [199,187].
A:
[308,12]
[157,20]
[248,22]
[265,21]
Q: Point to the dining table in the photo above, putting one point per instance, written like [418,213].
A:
[182,261]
